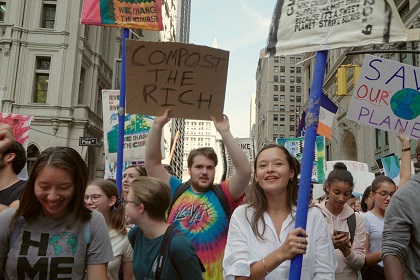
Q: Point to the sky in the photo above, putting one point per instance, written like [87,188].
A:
[240,27]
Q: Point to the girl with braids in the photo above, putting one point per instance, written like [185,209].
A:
[262,239]
[383,188]
[102,195]
[349,246]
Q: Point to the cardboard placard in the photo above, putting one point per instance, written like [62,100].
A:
[188,79]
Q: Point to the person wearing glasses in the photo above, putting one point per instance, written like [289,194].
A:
[349,246]
[102,196]
[146,204]
[383,188]
[52,234]
[131,173]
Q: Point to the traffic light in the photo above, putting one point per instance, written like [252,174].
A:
[341,81]
[356,72]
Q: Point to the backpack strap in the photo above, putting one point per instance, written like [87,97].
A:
[15,232]
[351,222]
[162,251]
[217,189]
[179,191]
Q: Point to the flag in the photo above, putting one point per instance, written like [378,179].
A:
[136,14]
[327,113]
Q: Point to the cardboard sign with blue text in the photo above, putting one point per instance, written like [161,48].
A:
[386,96]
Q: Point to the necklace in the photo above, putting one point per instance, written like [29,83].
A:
[275,212]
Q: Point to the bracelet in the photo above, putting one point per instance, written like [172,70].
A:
[406,149]
[266,271]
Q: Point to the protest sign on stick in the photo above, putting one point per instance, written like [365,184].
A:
[188,79]
[386,96]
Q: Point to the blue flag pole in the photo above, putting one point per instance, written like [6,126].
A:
[121,115]
[312,115]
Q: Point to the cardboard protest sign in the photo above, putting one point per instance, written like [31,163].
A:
[314,25]
[136,129]
[188,79]
[136,14]
[295,148]
[386,96]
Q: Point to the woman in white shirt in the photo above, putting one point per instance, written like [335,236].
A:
[262,239]
[102,195]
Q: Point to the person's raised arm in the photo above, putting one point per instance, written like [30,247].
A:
[240,178]
[393,268]
[6,137]
[153,155]
[405,169]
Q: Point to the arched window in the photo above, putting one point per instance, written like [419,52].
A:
[32,154]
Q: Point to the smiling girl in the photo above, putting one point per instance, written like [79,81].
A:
[262,237]
[52,234]
[350,255]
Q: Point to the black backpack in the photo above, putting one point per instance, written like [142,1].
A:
[217,189]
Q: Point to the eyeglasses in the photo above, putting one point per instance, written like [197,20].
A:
[93,197]
[384,194]
[125,202]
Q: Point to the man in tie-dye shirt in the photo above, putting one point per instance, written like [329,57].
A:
[198,212]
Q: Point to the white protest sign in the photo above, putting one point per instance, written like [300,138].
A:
[386,96]
[314,25]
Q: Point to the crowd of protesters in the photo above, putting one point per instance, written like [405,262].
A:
[57,224]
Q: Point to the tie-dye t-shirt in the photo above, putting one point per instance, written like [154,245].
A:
[201,217]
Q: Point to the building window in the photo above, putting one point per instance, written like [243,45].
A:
[292,127]
[292,69]
[282,69]
[281,108]
[99,101]
[292,79]
[275,107]
[292,108]
[292,118]
[276,69]
[282,118]
[298,70]
[275,117]
[281,127]
[275,127]
[298,99]
[81,85]
[292,98]
[282,79]
[275,97]
[276,78]
[282,88]
[292,88]
[276,59]
[275,136]
[42,76]
[298,79]
[282,59]
[292,60]
[298,89]
[48,14]
[298,59]
[282,98]
[276,87]
[2,10]
[381,138]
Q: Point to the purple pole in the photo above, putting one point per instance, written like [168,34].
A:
[121,115]
[311,120]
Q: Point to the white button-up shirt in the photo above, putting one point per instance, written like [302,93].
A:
[243,248]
